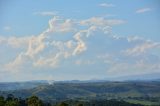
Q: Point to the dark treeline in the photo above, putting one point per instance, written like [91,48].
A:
[10,100]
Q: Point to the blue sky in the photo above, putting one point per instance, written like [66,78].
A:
[75,39]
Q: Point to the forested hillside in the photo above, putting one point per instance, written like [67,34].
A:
[133,92]
[10,100]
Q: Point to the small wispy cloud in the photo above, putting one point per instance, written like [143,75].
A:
[106,5]
[143,10]
[46,13]
[101,21]
[142,48]
[7,28]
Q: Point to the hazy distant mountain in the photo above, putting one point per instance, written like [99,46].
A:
[5,86]
[143,77]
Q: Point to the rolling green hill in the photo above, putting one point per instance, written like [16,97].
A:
[140,92]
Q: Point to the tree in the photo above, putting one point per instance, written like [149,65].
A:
[12,103]
[34,101]
[22,102]
[2,101]
[10,97]
[80,104]
[63,104]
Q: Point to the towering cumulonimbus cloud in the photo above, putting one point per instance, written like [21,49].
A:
[87,42]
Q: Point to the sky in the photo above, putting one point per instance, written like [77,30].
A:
[79,39]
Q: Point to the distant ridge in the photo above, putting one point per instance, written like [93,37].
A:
[5,86]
